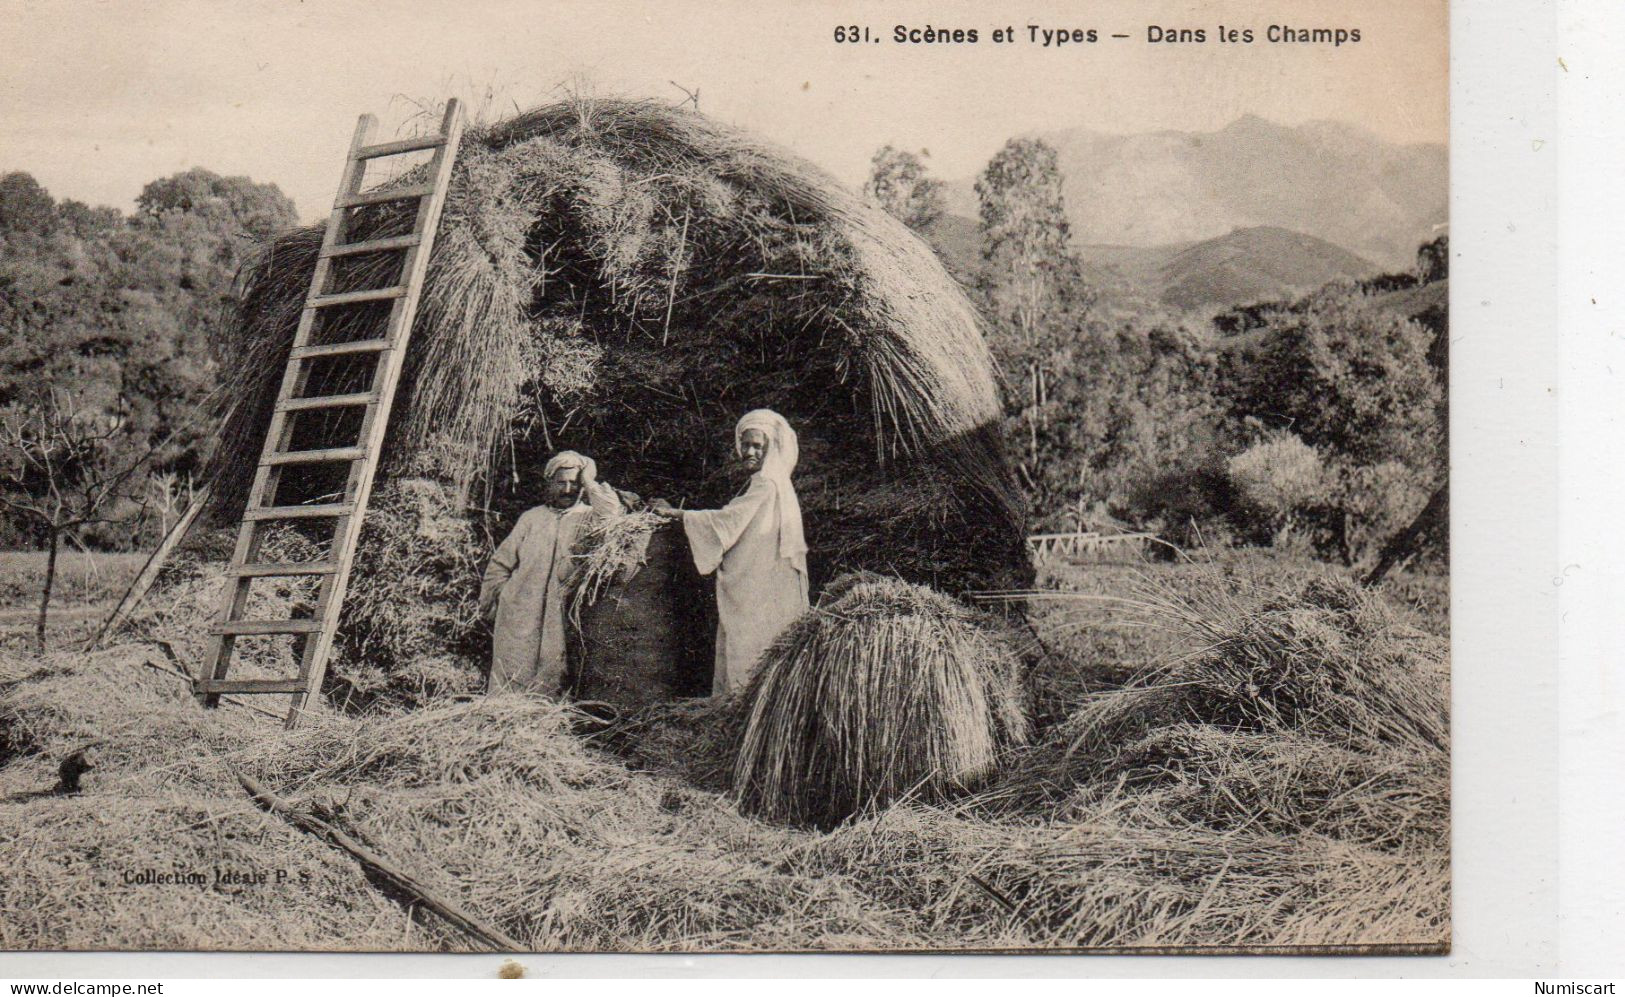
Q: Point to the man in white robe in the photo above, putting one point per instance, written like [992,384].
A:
[529,577]
[756,547]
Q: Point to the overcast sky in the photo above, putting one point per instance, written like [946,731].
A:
[97,98]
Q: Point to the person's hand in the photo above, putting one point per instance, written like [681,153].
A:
[661,507]
[589,473]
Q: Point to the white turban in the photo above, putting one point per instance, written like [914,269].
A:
[567,459]
[780,461]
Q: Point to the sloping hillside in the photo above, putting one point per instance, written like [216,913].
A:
[1329,180]
[1253,264]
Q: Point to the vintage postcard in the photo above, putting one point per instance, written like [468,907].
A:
[724,477]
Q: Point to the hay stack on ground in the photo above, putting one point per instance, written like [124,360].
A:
[1329,659]
[626,279]
[1317,711]
[884,690]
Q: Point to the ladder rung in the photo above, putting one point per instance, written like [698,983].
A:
[392,194]
[315,456]
[404,145]
[373,245]
[260,628]
[289,569]
[334,349]
[356,297]
[218,687]
[299,511]
[326,401]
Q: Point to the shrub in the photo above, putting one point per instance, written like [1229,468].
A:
[1274,481]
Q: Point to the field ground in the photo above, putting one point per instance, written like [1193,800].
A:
[88,585]
[1244,752]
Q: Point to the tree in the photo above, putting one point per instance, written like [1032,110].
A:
[1349,378]
[128,312]
[1130,420]
[25,206]
[1433,260]
[86,222]
[235,208]
[64,468]
[1352,380]
[1032,284]
[897,182]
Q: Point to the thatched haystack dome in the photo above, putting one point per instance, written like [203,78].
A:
[625,279]
[885,689]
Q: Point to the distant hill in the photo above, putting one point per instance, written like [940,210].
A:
[1247,265]
[1332,181]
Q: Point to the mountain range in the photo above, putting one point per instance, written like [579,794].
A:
[1255,208]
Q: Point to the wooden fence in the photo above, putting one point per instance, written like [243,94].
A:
[1048,546]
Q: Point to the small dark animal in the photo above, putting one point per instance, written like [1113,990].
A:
[72,767]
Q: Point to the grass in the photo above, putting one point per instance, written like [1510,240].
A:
[1191,830]
[88,583]
[82,577]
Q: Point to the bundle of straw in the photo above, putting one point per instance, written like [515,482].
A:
[886,690]
[608,552]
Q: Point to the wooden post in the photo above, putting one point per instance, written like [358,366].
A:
[149,572]
[454,914]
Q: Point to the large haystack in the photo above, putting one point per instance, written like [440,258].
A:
[626,279]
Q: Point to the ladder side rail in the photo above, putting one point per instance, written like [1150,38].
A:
[375,422]
[234,598]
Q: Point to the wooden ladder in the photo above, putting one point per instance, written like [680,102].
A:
[313,637]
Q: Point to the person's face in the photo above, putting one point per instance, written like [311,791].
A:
[564,487]
[752,449]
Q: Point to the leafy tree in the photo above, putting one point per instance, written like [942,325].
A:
[25,206]
[1130,421]
[1274,481]
[1349,378]
[897,182]
[233,207]
[1032,283]
[123,314]
[1353,381]
[1433,260]
[86,222]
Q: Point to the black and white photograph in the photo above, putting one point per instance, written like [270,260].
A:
[717,477]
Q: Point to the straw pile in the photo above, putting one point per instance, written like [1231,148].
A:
[639,611]
[885,690]
[413,632]
[1315,711]
[1330,660]
[412,635]
[626,278]
[500,806]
